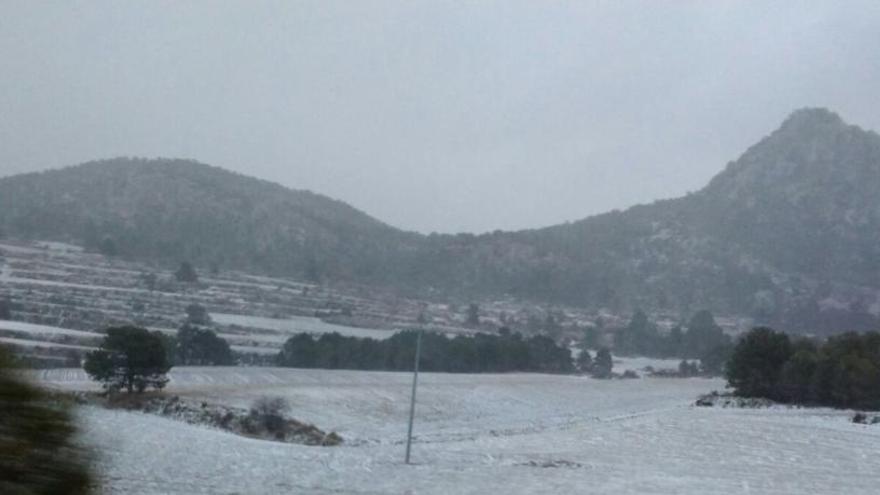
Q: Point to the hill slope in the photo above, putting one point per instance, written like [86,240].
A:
[173,210]
[789,233]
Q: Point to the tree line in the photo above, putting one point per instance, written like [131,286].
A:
[479,353]
[703,340]
[843,371]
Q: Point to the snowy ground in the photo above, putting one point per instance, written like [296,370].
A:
[483,433]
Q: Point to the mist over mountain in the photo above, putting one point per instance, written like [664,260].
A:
[170,210]
[788,234]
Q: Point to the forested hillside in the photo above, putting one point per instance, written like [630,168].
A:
[173,210]
[788,234]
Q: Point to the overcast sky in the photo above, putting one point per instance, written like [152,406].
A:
[432,116]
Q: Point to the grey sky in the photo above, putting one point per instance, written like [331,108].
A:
[446,116]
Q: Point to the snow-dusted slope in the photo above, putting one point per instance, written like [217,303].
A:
[484,434]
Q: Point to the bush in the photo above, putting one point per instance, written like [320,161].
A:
[687,369]
[268,413]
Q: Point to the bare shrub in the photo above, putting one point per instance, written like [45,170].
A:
[269,413]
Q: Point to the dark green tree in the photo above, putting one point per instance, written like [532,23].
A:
[755,367]
[674,342]
[473,315]
[797,378]
[196,314]
[603,364]
[585,362]
[713,361]
[702,336]
[37,450]
[201,347]
[5,309]
[186,273]
[299,351]
[129,358]
[686,368]
[108,247]
[591,338]
[639,337]
[848,371]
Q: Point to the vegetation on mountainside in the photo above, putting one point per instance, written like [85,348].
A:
[788,234]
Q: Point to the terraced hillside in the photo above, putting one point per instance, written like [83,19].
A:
[785,235]
[61,298]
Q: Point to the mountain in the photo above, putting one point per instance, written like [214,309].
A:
[174,210]
[788,234]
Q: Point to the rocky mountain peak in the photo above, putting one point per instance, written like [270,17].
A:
[811,119]
[813,149]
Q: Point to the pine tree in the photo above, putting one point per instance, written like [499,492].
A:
[585,362]
[129,358]
[186,273]
[603,364]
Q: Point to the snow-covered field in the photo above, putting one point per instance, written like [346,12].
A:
[483,434]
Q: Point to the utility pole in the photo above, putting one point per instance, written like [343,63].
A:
[412,403]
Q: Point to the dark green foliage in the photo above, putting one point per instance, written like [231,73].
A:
[473,316]
[796,381]
[186,273]
[755,367]
[129,358]
[461,354]
[686,368]
[585,362]
[640,337]
[842,372]
[673,344]
[201,347]
[37,451]
[703,335]
[712,362]
[704,340]
[603,364]
[196,314]
[847,373]
[268,414]
[591,338]
[108,247]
